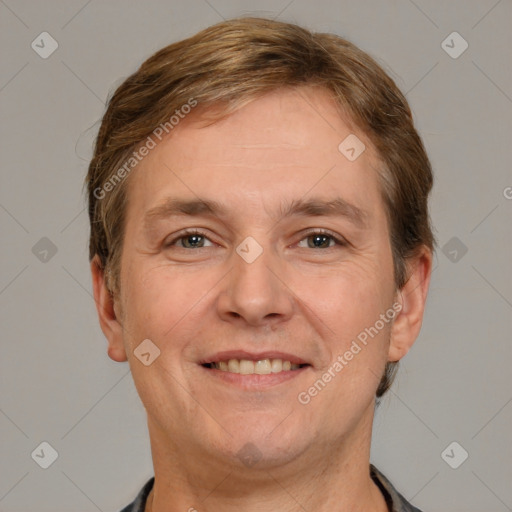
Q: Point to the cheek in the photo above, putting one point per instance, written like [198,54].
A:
[148,306]
[347,307]
[350,296]
[162,302]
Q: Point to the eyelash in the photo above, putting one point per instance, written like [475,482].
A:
[196,232]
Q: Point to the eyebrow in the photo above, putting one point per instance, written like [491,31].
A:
[314,207]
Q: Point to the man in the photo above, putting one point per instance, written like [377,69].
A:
[261,255]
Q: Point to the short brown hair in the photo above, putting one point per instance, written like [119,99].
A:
[237,61]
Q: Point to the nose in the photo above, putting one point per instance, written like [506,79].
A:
[255,292]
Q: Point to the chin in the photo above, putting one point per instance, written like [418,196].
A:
[259,450]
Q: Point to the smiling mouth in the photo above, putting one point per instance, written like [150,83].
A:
[259,367]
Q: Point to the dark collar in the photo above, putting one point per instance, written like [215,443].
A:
[395,501]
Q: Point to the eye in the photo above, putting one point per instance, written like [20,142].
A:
[190,239]
[196,239]
[322,239]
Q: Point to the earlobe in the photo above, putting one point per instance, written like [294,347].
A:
[412,296]
[106,309]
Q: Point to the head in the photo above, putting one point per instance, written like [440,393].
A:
[248,115]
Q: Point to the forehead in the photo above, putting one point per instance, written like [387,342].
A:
[284,145]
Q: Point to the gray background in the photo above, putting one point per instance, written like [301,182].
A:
[57,382]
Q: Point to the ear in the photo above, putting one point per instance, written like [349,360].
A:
[105,305]
[412,296]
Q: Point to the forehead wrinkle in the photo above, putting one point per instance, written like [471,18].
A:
[269,145]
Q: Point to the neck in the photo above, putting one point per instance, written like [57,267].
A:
[333,476]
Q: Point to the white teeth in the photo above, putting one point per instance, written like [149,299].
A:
[277,365]
[233,366]
[261,367]
[246,367]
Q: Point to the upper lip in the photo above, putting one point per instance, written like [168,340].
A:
[252,356]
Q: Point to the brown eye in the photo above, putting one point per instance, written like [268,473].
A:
[192,241]
[319,241]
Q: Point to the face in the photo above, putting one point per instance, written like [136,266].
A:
[255,257]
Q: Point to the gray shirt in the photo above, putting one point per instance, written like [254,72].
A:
[395,501]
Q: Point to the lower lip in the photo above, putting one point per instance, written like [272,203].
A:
[254,380]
